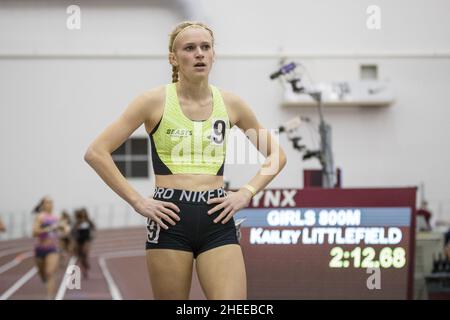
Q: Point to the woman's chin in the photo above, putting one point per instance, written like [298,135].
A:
[199,76]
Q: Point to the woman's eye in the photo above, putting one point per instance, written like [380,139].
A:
[206,46]
[189,48]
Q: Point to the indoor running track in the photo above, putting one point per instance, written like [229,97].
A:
[118,270]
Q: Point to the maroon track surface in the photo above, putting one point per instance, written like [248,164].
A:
[121,250]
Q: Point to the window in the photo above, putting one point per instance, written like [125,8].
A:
[368,72]
[132,158]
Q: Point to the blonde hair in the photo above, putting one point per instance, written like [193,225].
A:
[179,28]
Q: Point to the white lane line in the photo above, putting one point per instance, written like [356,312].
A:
[124,253]
[19,283]
[63,285]
[14,262]
[11,251]
[103,251]
[113,289]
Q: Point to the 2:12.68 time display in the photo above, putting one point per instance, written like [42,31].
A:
[368,257]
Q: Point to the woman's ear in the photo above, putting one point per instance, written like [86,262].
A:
[173,60]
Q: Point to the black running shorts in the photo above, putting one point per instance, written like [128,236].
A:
[195,232]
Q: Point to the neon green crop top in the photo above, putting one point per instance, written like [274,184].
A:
[184,146]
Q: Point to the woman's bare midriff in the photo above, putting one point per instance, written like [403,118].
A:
[193,182]
[46,242]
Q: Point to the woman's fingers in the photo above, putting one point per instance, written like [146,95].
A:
[167,218]
[216,200]
[167,214]
[158,221]
[222,214]
[170,205]
[218,207]
[229,216]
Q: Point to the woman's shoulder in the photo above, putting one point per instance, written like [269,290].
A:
[227,94]
[235,103]
[151,103]
[38,216]
[44,216]
[153,96]
[41,214]
[231,99]
[236,106]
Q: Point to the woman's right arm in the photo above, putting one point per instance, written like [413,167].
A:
[98,156]
[37,230]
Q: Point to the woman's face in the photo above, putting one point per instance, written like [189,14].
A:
[194,54]
[47,205]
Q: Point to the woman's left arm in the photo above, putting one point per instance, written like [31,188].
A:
[266,145]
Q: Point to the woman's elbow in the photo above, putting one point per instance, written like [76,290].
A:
[90,155]
[283,160]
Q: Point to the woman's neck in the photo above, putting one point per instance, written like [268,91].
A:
[198,91]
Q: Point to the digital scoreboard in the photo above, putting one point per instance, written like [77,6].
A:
[329,243]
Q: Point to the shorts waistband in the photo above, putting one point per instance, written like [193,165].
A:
[188,196]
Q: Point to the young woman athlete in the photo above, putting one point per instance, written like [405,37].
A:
[45,229]
[190,215]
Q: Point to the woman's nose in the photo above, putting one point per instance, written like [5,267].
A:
[199,52]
